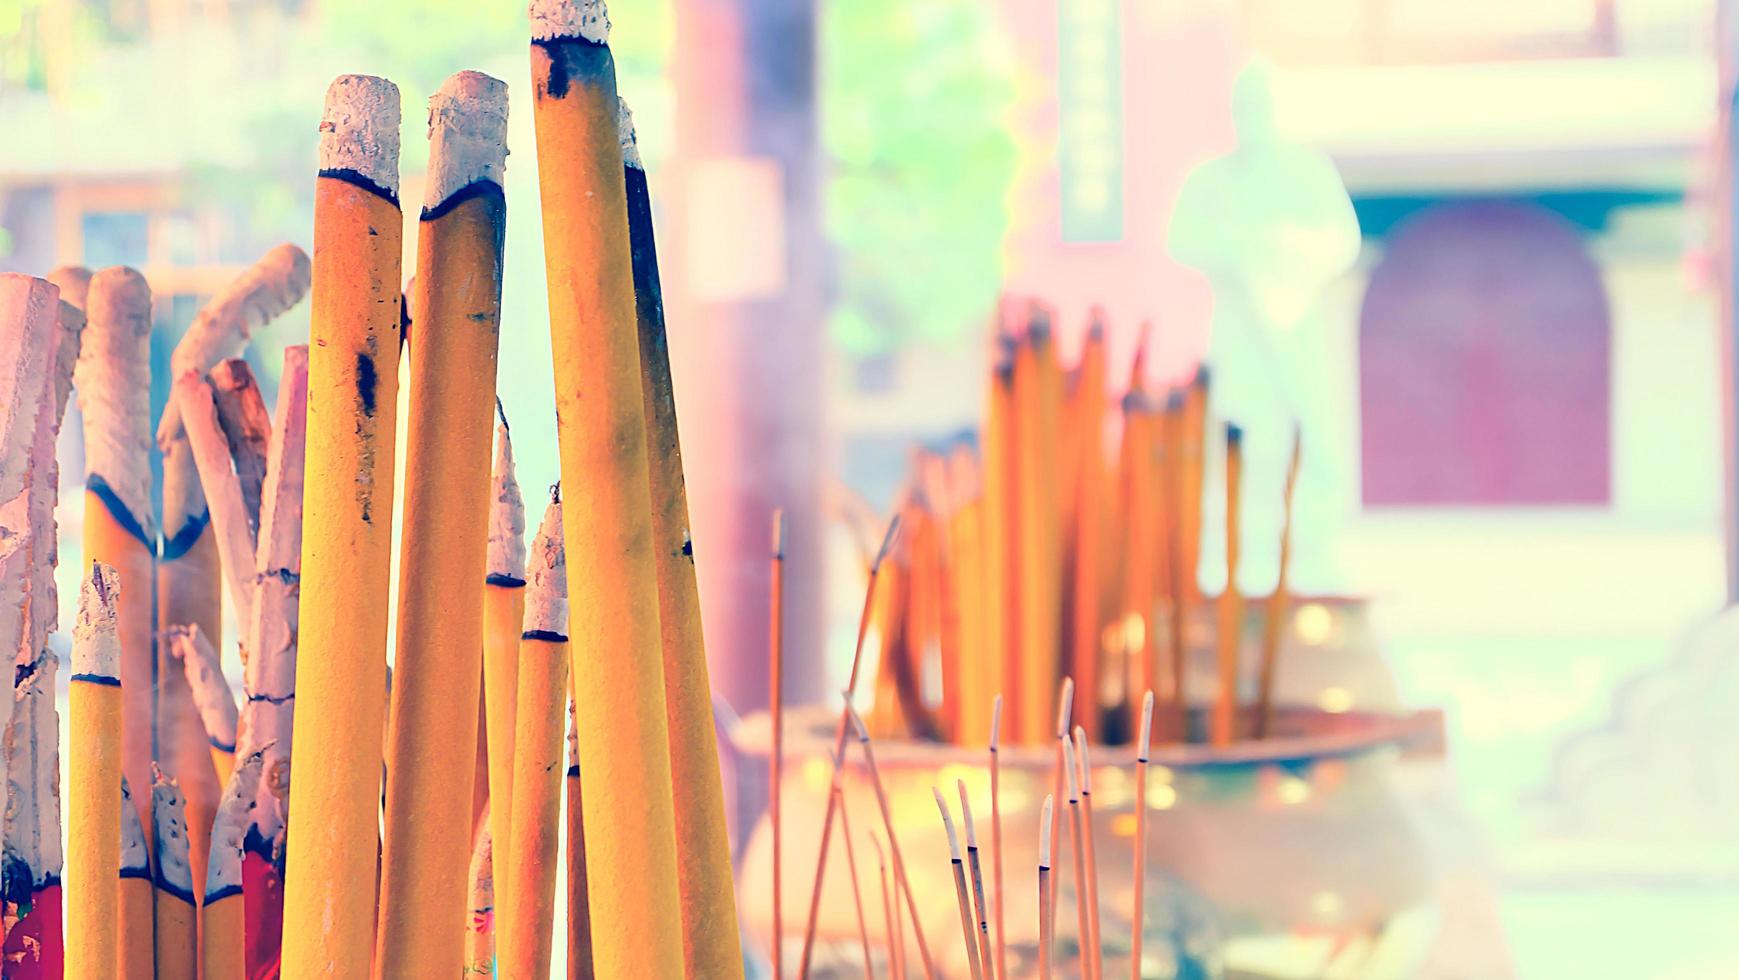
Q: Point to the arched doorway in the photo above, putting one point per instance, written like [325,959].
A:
[1485,363]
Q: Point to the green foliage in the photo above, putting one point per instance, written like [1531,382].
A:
[915,97]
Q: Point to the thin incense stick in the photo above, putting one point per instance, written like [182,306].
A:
[445,533]
[863,624]
[1065,702]
[528,932]
[776,708]
[905,882]
[1084,769]
[856,892]
[1231,602]
[636,902]
[1047,919]
[94,765]
[347,557]
[890,918]
[703,849]
[222,916]
[1078,835]
[579,902]
[177,949]
[1278,602]
[996,839]
[961,897]
[1138,910]
[133,919]
[503,622]
[977,869]
[113,383]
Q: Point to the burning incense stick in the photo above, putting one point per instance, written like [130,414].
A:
[211,694]
[445,531]
[977,869]
[203,437]
[904,882]
[527,931]
[172,878]
[352,404]
[1047,919]
[1078,835]
[503,622]
[94,764]
[1137,914]
[863,623]
[133,918]
[624,729]
[1231,602]
[480,930]
[967,935]
[1278,602]
[776,708]
[247,426]
[869,971]
[113,383]
[996,839]
[223,919]
[1084,769]
[703,850]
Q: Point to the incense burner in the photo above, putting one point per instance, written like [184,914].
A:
[1288,857]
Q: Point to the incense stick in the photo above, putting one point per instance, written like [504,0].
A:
[1047,920]
[247,426]
[856,892]
[1231,602]
[962,900]
[352,407]
[1065,702]
[1084,768]
[133,919]
[211,694]
[776,710]
[996,839]
[94,765]
[893,841]
[1078,836]
[223,938]
[890,918]
[1273,627]
[1137,914]
[480,931]
[174,900]
[503,622]
[977,869]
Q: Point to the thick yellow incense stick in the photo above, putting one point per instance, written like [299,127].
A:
[445,532]
[961,897]
[1231,602]
[527,932]
[177,948]
[1273,626]
[134,927]
[113,383]
[223,913]
[94,764]
[347,537]
[503,621]
[703,847]
[480,931]
[637,927]
[1137,916]
[1087,523]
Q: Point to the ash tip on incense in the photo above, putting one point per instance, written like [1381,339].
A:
[995,722]
[96,648]
[467,135]
[947,825]
[74,282]
[778,534]
[359,129]
[1084,761]
[1234,434]
[552,20]
[887,542]
[966,815]
[134,856]
[506,550]
[625,125]
[546,594]
[1065,704]
[1146,727]
[1045,833]
[169,818]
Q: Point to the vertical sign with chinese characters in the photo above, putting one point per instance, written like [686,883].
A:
[1090,119]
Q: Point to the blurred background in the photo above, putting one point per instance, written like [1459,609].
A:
[1499,321]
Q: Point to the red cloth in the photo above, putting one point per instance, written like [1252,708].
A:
[35,945]
[263,899]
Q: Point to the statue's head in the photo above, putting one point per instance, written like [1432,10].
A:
[1253,103]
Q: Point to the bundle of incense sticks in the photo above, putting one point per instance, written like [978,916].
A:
[225,860]
[1062,541]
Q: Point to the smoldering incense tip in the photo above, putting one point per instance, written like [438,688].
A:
[467,136]
[1065,704]
[778,534]
[506,550]
[553,20]
[947,824]
[96,647]
[1146,726]
[546,594]
[359,130]
[625,125]
[1083,761]
[995,722]
[1045,834]
[966,815]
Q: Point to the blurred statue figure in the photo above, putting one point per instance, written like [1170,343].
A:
[1270,225]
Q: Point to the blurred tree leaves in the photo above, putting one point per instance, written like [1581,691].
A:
[915,102]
